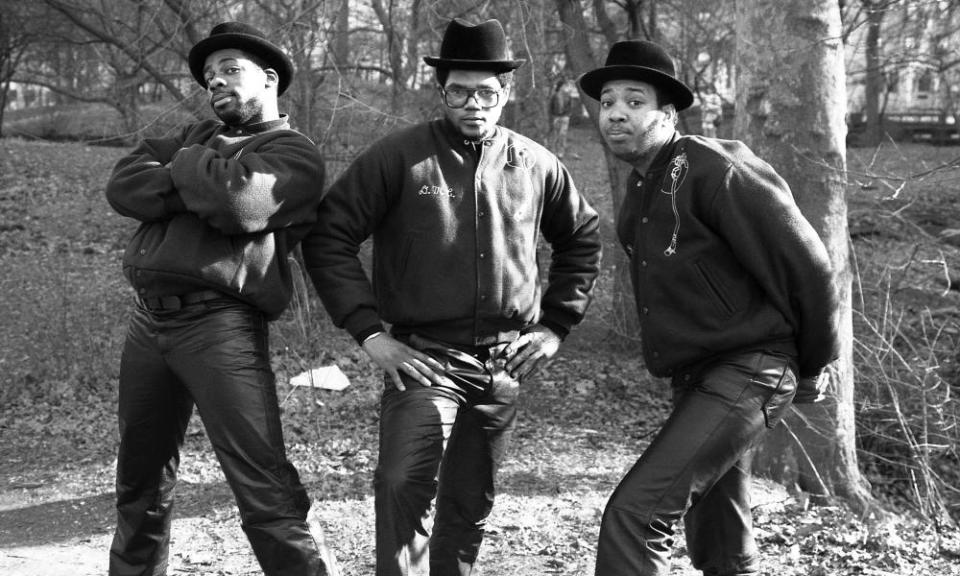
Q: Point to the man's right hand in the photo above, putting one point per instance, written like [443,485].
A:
[394,357]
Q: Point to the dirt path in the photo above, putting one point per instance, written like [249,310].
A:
[86,557]
[59,521]
[60,524]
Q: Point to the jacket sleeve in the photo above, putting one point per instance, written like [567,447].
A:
[572,227]
[782,250]
[348,215]
[275,183]
[140,185]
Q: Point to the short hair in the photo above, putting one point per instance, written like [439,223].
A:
[663,100]
[443,72]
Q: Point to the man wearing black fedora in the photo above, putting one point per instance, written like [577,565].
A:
[737,307]
[455,207]
[220,204]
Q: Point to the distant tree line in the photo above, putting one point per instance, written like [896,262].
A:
[126,53]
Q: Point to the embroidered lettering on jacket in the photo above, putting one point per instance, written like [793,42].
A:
[427,190]
[520,158]
[678,171]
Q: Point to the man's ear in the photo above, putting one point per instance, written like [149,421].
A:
[273,79]
[670,111]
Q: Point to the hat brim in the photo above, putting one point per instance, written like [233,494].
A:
[453,63]
[592,82]
[268,52]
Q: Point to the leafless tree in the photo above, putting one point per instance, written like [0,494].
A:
[791,101]
[19,30]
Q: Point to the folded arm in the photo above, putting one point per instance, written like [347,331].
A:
[140,185]
[269,185]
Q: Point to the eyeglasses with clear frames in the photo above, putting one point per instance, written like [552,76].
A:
[457,97]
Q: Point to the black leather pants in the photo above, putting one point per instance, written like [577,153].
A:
[213,354]
[446,442]
[698,468]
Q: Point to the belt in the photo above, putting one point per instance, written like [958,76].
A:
[482,352]
[455,337]
[158,303]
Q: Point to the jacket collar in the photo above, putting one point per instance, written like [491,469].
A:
[458,141]
[259,127]
[662,159]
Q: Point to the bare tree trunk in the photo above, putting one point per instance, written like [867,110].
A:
[874,81]
[300,33]
[18,24]
[791,101]
[947,61]
[7,68]
[624,322]
[4,97]
[340,43]
[395,47]
[524,23]
[127,103]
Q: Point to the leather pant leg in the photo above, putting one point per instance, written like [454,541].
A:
[414,427]
[719,414]
[153,411]
[224,361]
[468,476]
[217,351]
[444,442]
[731,551]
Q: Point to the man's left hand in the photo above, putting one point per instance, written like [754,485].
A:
[531,351]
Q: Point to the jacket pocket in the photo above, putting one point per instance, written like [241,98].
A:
[776,405]
[716,287]
[395,266]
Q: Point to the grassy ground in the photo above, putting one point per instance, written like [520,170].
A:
[583,421]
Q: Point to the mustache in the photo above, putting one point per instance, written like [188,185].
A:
[219,93]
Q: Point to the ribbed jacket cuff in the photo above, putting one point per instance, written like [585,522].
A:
[363,323]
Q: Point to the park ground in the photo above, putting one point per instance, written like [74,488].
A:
[583,421]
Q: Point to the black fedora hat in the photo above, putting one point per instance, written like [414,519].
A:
[474,47]
[241,37]
[639,60]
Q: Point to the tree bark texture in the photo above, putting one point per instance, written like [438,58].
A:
[874,86]
[580,58]
[791,100]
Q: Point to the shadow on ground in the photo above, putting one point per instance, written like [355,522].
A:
[56,521]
